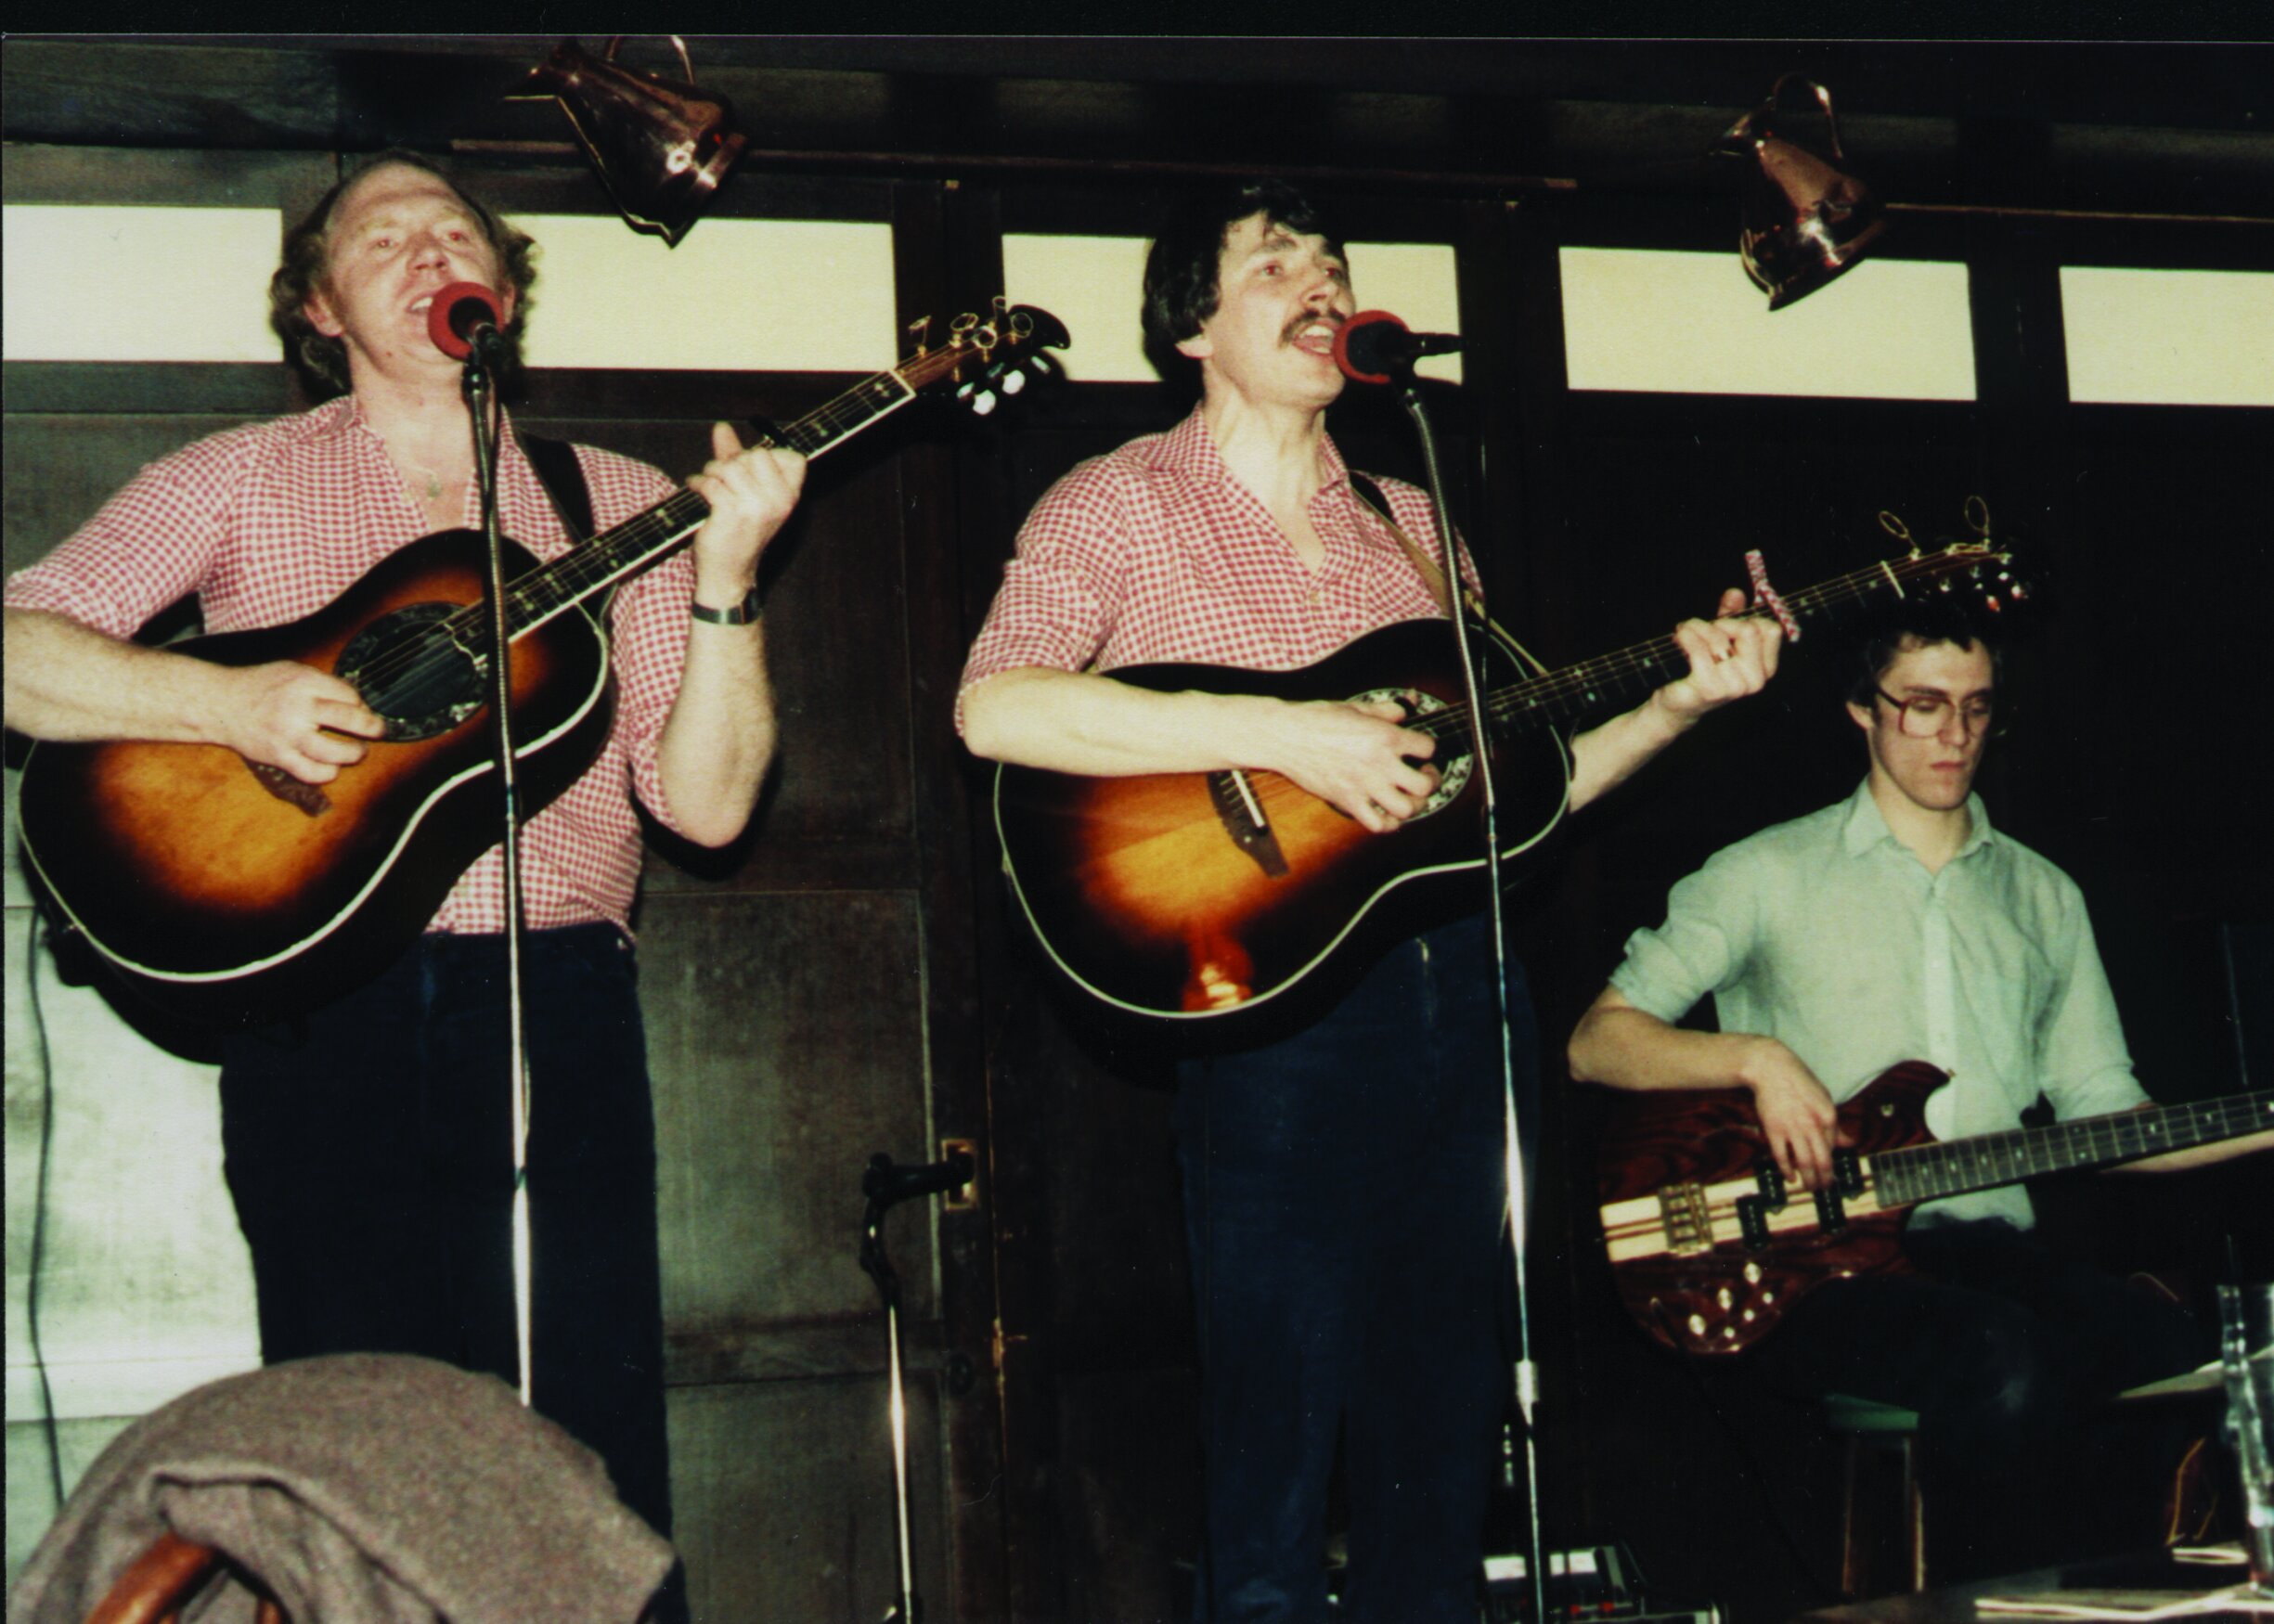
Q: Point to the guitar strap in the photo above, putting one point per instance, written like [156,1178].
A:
[564,479]
[1424,565]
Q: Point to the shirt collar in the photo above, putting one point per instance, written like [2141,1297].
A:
[345,416]
[1189,449]
[1866,826]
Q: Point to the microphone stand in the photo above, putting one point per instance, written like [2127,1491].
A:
[1526,1371]
[479,384]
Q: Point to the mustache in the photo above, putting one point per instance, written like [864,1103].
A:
[1333,318]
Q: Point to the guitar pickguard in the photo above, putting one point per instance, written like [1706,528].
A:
[420,668]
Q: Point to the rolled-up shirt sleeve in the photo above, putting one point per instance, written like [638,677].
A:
[1062,589]
[146,549]
[647,624]
[1702,947]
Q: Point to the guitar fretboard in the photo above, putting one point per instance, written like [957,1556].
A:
[576,574]
[1592,686]
[1925,1172]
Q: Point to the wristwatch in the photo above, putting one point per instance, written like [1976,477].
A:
[741,613]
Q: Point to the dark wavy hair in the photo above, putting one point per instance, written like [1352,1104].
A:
[321,360]
[1914,623]
[1180,267]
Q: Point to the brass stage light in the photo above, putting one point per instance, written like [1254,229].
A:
[1805,220]
[660,148]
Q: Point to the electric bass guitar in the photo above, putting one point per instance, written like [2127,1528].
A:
[1709,1248]
[1200,897]
[232,891]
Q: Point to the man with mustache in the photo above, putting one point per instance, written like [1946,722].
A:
[1344,1187]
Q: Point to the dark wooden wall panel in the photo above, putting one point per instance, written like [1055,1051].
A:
[784,1032]
[787,1492]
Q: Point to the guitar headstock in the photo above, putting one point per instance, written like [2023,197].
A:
[1981,570]
[987,360]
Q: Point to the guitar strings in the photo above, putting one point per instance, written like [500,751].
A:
[1571,687]
[581,571]
[1922,1172]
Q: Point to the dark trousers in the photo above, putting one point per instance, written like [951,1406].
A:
[369,1154]
[1343,1194]
[2010,1353]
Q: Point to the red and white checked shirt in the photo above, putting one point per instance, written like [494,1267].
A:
[269,523]
[1154,552]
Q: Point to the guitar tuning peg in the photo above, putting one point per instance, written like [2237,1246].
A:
[1978,517]
[1013,381]
[981,400]
[921,330]
[1900,531]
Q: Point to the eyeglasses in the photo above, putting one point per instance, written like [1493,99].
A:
[1924,715]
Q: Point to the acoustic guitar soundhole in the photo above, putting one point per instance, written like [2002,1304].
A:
[1453,762]
[413,668]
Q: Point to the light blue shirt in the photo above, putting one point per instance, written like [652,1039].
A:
[1831,935]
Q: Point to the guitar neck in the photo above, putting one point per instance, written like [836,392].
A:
[1560,698]
[1926,1172]
[630,547]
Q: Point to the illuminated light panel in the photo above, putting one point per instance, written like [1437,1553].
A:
[1660,322]
[1095,285]
[151,283]
[735,296]
[104,283]
[2169,338]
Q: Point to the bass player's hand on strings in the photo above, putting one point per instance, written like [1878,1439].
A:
[1798,1117]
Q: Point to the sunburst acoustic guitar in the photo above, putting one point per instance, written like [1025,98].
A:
[227,890]
[1201,898]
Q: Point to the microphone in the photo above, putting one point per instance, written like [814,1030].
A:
[465,317]
[886,1183]
[1373,343]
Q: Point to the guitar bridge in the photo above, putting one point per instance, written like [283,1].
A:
[1688,1218]
[1242,816]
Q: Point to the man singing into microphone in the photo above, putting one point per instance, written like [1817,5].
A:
[368,1148]
[1343,1187]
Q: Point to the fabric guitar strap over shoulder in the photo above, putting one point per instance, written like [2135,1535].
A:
[564,479]
[1424,565]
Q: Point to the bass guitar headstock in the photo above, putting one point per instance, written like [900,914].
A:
[989,359]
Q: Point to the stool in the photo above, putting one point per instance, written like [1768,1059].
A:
[1883,1429]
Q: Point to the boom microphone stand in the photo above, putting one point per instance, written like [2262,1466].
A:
[464,321]
[1393,352]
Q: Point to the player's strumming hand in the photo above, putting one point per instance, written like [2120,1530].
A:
[284,714]
[1797,1114]
[1355,757]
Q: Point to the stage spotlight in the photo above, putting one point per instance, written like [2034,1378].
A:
[1805,220]
[661,150]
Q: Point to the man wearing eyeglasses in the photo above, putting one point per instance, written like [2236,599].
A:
[1899,924]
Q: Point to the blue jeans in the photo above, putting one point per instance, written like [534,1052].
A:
[369,1150]
[1344,1191]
